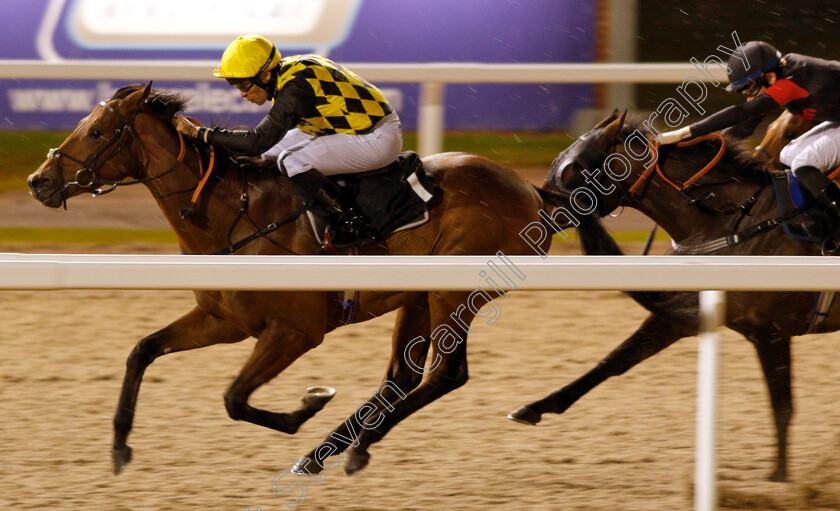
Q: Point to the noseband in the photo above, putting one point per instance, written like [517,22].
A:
[86,177]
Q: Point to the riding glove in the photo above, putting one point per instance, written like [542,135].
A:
[672,137]
[184,125]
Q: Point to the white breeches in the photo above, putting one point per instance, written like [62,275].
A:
[339,153]
[818,147]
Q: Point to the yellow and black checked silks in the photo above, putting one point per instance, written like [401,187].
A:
[344,102]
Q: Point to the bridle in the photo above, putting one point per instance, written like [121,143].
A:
[87,176]
[586,151]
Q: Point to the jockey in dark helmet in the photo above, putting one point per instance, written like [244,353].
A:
[807,87]
[324,120]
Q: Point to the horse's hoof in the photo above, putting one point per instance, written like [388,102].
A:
[306,466]
[317,397]
[525,415]
[355,461]
[121,457]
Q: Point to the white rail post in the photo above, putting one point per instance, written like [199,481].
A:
[430,119]
[712,314]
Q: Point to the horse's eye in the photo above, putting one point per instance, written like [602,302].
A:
[94,133]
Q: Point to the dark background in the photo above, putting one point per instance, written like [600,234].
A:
[670,31]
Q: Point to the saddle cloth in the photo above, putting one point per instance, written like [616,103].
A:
[394,197]
[789,196]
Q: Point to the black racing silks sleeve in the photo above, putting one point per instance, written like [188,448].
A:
[744,129]
[734,115]
[283,116]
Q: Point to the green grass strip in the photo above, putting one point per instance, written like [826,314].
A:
[52,235]
[620,236]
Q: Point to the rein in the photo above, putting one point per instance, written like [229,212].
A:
[190,209]
[654,166]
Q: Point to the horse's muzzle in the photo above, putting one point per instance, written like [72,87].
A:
[45,189]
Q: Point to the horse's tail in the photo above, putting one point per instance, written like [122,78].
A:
[554,198]
[594,238]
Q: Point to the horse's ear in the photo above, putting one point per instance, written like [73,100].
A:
[610,118]
[136,99]
[610,133]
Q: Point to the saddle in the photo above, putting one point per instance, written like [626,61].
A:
[378,202]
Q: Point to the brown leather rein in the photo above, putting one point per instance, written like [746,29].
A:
[654,166]
[204,176]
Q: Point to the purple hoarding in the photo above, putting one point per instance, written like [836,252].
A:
[492,31]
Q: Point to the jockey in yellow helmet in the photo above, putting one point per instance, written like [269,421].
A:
[325,120]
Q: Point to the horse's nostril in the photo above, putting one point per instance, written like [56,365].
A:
[37,183]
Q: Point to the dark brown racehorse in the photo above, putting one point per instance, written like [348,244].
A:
[480,209]
[732,197]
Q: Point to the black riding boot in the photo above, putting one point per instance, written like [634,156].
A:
[823,189]
[320,194]
[344,228]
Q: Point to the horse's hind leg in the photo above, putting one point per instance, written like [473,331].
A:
[447,372]
[277,347]
[405,372]
[774,354]
[195,329]
[653,336]
[409,347]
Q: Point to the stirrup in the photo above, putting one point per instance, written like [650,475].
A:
[351,228]
[336,244]
[830,246]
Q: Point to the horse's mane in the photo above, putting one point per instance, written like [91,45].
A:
[737,158]
[166,104]
[163,104]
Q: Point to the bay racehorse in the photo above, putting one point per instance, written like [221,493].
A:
[779,133]
[698,209]
[480,208]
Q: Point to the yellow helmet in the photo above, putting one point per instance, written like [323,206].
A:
[247,57]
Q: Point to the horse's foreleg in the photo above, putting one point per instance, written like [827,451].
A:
[774,354]
[409,347]
[277,347]
[195,329]
[653,336]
